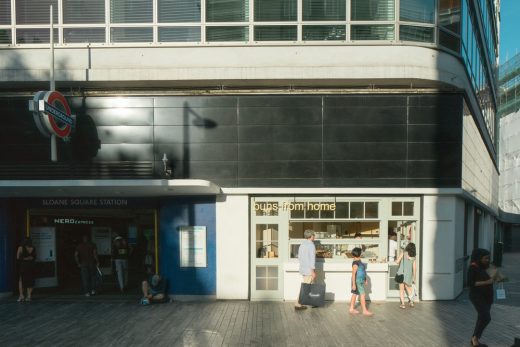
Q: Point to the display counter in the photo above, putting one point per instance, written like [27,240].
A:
[337,277]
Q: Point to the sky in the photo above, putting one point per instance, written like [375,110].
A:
[509,29]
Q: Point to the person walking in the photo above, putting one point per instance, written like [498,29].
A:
[120,256]
[87,259]
[408,268]
[359,281]
[307,260]
[480,292]
[26,257]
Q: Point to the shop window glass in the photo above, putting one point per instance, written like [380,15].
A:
[131,11]
[119,35]
[372,10]
[5,13]
[422,11]
[36,11]
[266,208]
[323,10]
[266,241]
[449,15]
[371,209]
[417,34]
[5,36]
[231,33]
[326,214]
[179,34]
[276,33]
[40,35]
[324,32]
[275,10]
[342,210]
[227,11]
[372,32]
[80,11]
[266,278]
[407,208]
[178,11]
[397,208]
[356,210]
[83,35]
[449,41]
[298,213]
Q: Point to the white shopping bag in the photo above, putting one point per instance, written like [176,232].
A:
[501,292]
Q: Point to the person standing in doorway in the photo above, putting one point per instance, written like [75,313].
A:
[307,259]
[26,257]
[480,291]
[120,256]
[409,270]
[87,259]
[392,246]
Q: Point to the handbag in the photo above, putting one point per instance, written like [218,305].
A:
[500,291]
[312,294]
[399,276]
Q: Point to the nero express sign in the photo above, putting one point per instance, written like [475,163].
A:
[52,114]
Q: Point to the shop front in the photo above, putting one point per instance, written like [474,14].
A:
[340,224]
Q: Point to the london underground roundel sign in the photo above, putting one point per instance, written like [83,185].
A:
[52,114]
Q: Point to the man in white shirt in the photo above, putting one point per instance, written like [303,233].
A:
[307,259]
[392,246]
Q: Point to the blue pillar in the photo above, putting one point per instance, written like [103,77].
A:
[6,249]
[187,211]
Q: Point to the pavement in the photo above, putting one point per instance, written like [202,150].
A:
[116,321]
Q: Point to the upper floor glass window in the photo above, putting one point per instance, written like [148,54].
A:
[131,11]
[36,11]
[83,12]
[178,11]
[449,15]
[378,10]
[5,13]
[422,11]
[227,11]
[323,10]
[275,10]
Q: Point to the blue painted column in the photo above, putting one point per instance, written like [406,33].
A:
[179,212]
[6,249]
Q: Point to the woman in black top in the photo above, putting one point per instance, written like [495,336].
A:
[480,292]
[26,256]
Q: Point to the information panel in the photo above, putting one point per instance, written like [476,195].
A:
[193,246]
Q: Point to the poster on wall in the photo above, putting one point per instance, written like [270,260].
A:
[193,246]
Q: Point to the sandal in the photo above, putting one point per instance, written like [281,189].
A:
[20,300]
[402,306]
[412,304]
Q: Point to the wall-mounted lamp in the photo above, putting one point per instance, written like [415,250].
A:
[167,171]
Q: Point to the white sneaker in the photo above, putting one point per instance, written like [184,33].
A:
[87,294]
[93,292]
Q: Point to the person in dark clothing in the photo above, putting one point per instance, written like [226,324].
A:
[480,292]
[26,257]
[154,289]
[87,259]
[120,258]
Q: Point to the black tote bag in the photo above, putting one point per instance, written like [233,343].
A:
[312,294]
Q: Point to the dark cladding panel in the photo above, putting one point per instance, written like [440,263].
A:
[280,169]
[434,132]
[196,101]
[194,134]
[279,151]
[109,102]
[125,152]
[364,182]
[365,151]
[291,101]
[365,169]
[207,117]
[197,151]
[364,115]
[209,170]
[367,100]
[125,134]
[279,134]
[280,182]
[364,133]
[434,150]
[280,115]
[119,116]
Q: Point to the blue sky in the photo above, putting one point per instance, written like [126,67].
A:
[509,29]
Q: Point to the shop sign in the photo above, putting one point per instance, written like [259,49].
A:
[52,114]
[94,202]
[295,206]
[73,221]
[193,246]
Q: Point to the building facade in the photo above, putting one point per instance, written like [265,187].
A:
[212,133]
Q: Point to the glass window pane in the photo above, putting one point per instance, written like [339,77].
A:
[342,210]
[261,271]
[449,15]
[372,9]
[261,284]
[418,34]
[81,11]
[324,32]
[178,11]
[310,211]
[422,11]
[266,208]
[372,32]
[36,11]
[371,209]
[397,208]
[275,10]
[40,35]
[5,36]
[326,214]
[272,284]
[449,41]
[83,35]
[227,11]
[266,240]
[131,35]
[275,33]
[131,11]
[272,271]
[323,9]
[356,210]
[408,208]
[215,34]
[180,34]
[5,13]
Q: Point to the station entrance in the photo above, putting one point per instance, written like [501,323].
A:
[56,234]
